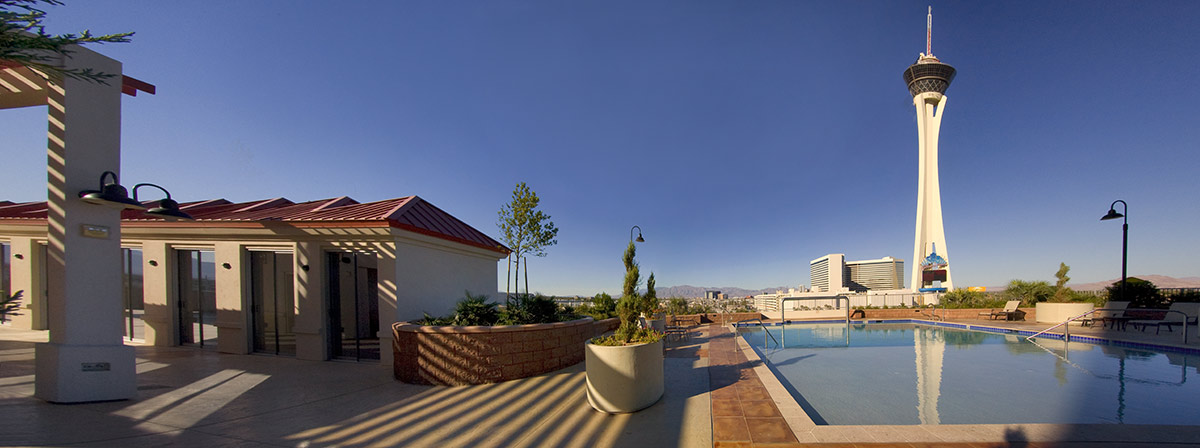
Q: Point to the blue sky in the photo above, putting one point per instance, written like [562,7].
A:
[744,138]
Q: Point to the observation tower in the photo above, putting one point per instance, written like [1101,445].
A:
[927,81]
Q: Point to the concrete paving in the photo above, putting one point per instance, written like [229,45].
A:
[194,397]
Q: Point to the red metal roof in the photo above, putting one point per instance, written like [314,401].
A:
[408,213]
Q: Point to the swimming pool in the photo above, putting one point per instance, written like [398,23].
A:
[907,374]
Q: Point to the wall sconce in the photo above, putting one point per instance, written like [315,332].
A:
[304,267]
[19,256]
[153,263]
[226,265]
[112,194]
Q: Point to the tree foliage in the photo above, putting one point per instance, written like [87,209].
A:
[525,229]
[1029,293]
[24,41]
[1139,293]
[630,306]
[10,305]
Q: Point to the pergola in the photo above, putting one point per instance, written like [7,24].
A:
[85,359]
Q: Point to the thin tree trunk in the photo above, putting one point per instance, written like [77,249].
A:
[526,276]
[508,278]
[518,275]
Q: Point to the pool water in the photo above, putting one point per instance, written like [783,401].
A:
[907,374]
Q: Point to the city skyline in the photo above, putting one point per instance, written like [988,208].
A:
[744,139]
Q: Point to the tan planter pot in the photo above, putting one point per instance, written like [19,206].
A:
[624,379]
[1054,313]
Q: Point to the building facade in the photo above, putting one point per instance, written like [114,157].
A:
[316,280]
[827,274]
[886,273]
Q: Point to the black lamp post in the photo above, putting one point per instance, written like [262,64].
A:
[1112,214]
[639,238]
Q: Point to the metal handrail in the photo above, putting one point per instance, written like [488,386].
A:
[1067,329]
[933,314]
[760,324]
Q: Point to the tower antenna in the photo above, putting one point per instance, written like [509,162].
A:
[929,33]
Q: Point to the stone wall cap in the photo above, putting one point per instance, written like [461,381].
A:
[409,327]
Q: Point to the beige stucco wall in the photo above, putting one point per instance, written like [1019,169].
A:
[431,280]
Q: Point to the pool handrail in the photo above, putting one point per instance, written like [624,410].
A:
[783,309]
[1067,328]
[760,324]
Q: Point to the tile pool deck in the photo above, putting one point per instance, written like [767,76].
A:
[718,394]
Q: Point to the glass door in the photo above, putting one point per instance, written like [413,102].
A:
[353,306]
[197,274]
[273,302]
[135,305]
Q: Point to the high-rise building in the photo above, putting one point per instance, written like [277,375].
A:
[886,273]
[927,81]
[827,274]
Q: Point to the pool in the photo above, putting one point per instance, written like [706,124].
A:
[908,374]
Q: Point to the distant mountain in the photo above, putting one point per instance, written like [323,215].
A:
[1160,281]
[698,291]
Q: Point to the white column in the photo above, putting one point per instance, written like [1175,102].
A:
[159,289]
[233,318]
[85,359]
[311,322]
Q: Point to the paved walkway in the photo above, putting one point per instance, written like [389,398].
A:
[193,397]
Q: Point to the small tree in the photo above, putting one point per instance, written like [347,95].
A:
[603,305]
[23,41]
[1029,293]
[630,307]
[524,229]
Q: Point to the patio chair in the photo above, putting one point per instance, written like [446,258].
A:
[1190,312]
[1009,312]
[1116,317]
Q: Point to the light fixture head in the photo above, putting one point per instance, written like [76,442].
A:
[1112,214]
[640,239]
[169,210]
[110,194]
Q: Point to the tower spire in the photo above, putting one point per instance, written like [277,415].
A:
[929,32]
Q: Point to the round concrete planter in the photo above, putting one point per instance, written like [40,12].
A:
[624,379]
[1053,313]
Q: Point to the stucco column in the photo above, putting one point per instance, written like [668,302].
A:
[26,277]
[159,288]
[85,359]
[233,320]
[388,294]
[311,334]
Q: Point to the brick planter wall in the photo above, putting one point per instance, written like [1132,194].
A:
[923,313]
[452,356]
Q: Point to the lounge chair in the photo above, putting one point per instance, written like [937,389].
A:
[1116,316]
[1190,312]
[674,328]
[1009,312]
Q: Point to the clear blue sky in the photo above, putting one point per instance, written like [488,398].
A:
[745,138]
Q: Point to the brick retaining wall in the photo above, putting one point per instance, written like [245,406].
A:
[452,356]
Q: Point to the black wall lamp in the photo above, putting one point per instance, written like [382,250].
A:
[112,194]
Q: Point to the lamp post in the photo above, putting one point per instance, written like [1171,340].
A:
[639,237]
[1112,214]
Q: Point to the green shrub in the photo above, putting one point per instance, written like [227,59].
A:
[1029,293]
[1184,296]
[475,310]
[532,309]
[630,307]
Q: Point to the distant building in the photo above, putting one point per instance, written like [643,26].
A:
[882,274]
[713,295]
[828,273]
[832,273]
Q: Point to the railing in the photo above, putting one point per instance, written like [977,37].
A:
[764,327]
[933,313]
[1067,328]
[784,300]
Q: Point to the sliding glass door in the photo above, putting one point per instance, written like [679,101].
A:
[353,306]
[135,305]
[197,298]
[273,302]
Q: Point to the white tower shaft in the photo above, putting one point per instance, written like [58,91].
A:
[930,106]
